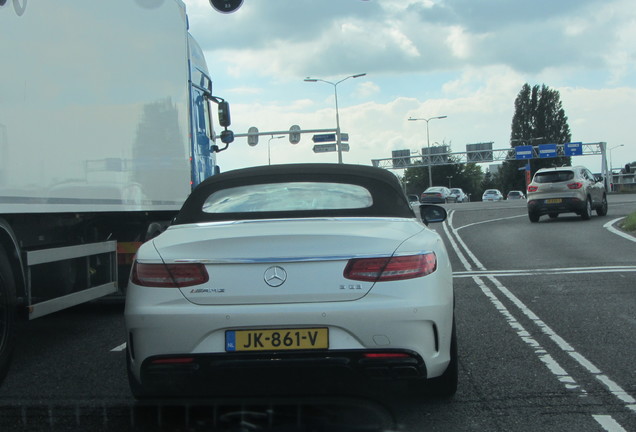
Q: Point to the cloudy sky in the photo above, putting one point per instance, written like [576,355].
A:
[465,59]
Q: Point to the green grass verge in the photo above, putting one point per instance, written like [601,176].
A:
[629,224]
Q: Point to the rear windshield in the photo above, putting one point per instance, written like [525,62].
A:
[433,190]
[288,196]
[553,176]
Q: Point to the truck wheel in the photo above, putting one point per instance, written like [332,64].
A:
[7,313]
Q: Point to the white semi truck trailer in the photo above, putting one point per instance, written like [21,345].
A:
[105,127]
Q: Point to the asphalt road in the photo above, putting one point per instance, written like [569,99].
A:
[546,317]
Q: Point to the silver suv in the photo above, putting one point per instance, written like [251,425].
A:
[565,190]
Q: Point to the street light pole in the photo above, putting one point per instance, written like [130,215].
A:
[428,144]
[269,152]
[335,93]
[610,152]
[611,173]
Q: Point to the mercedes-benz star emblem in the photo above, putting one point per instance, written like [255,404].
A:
[275,276]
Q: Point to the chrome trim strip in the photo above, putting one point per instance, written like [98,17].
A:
[273,260]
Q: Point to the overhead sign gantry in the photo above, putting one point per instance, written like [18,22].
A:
[484,153]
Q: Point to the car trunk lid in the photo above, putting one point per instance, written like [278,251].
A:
[281,261]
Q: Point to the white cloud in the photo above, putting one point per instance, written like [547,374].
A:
[459,58]
[366,90]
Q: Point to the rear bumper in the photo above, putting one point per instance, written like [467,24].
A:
[177,329]
[567,205]
[210,373]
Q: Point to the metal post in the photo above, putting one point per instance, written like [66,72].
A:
[603,164]
[335,92]
[269,153]
[428,144]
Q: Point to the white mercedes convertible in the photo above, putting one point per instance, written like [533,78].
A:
[305,271]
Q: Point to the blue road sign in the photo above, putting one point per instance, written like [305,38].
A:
[523,152]
[324,138]
[547,150]
[573,149]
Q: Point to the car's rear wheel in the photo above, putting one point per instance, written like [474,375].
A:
[602,210]
[586,214]
[534,217]
[444,386]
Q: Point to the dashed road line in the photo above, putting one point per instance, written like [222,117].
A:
[543,355]
[608,423]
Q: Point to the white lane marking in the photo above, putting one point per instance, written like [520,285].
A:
[608,423]
[119,347]
[549,361]
[461,256]
[553,366]
[532,272]
[490,220]
[468,251]
[614,389]
[617,391]
[610,227]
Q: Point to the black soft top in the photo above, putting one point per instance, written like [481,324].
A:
[389,200]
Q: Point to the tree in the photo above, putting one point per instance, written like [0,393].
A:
[539,118]
[489,182]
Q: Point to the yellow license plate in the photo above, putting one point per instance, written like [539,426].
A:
[553,201]
[277,339]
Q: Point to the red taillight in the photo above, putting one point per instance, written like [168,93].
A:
[391,268]
[533,188]
[169,275]
[385,355]
[575,185]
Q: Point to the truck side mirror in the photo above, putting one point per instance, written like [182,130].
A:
[224,114]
